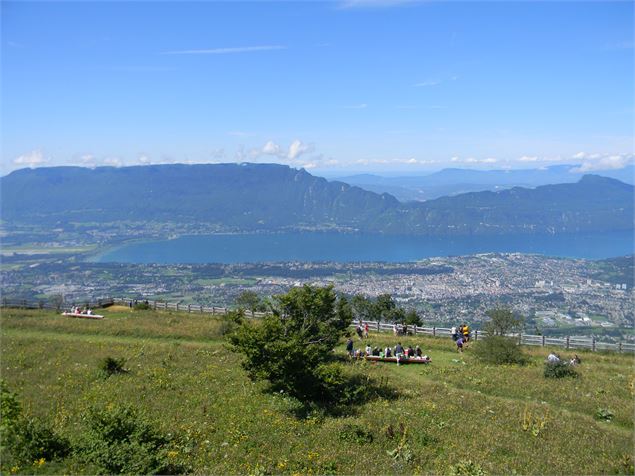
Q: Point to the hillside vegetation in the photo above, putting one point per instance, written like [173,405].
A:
[269,197]
[454,416]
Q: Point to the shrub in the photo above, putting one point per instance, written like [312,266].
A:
[499,350]
[230,321]
[33,439]
[119,440]
[466,468]
[355,434]
[10,410]
[290,347]
[141,306]
[559,370]
[112,366]
[604,414]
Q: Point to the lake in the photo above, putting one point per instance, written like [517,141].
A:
[347,247]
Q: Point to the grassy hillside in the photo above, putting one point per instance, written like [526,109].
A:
[451,416]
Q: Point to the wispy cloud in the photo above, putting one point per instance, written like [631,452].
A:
[426,84]
[593,162]
[374,3]
[226,51]
[357,106]
[31,159]
[435,82]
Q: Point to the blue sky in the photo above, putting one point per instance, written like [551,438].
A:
[336,87]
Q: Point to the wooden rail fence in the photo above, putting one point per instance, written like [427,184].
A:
[566,342]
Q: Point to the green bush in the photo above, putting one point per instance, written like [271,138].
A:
[559,370]
[119,440]
[355,434]
[141,306]
[466,468]
[33,439]
[290,348]
[230,321]
[604,414]
[10,409]
[112,366]
[499,350]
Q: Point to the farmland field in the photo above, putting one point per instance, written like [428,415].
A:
[454,416]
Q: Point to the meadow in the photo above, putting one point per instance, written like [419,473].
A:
[454,416]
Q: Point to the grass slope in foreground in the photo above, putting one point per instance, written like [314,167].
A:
[453,411]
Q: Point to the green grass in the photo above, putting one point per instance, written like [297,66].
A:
[456,409]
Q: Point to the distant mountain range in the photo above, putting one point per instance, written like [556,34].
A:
[449,182]
[272,197]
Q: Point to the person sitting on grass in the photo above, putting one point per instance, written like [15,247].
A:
[418,352]
[387,352]
[376,351]
[369,350]
[411,351]
[575,360]
[553,358]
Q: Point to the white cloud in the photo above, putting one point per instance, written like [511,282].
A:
[474,160]
[357,106]
[528,158]
[144,159]
[271,148]
[428,83]
[226,51]
[297,148]
[603,162]
[113,161]
[31,159]
[374,3]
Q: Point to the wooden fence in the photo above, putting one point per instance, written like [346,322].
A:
[566,342]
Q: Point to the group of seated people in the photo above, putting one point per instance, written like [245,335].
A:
[79,310]
[398,351]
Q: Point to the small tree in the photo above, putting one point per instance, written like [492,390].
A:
[496,348]
[412,318]
[385,307]
[250,301]
[363,308]
[503,321]
[292,348]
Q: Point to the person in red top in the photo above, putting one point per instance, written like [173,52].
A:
[366,330]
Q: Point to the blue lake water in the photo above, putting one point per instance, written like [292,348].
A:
[344,247]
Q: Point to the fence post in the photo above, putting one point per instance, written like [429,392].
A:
[378,328]
[155,305]
[593,343]
[201,309]
[520,338]
[177,306]
[476,335]
[213,310]
[543,340]
[567,342]
[619,346]
[189,308]
[434,331]
[415,329]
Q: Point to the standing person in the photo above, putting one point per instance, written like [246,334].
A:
[359,333]
[466,333]
[459,344]
[366,330]
[349,346]
[454,334]
[394,329]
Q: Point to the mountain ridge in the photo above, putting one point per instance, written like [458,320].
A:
[249,197]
